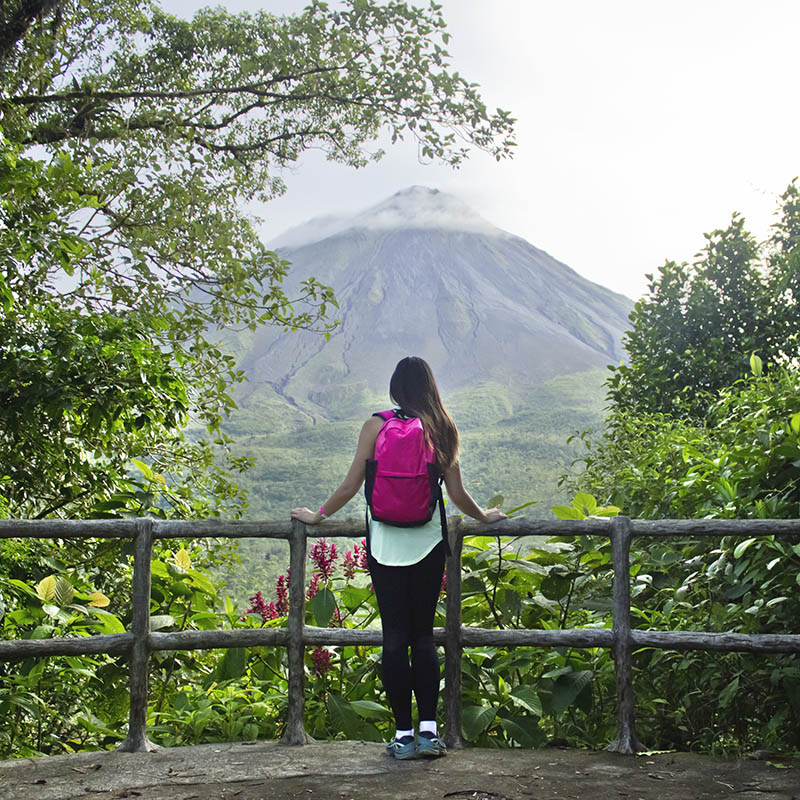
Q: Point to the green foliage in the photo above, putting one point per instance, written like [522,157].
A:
[689,434]
[130,141]
[743,461]
[695,331]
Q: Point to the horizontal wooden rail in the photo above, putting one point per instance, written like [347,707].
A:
[623,640]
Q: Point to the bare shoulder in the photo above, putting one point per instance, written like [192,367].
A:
[373,423]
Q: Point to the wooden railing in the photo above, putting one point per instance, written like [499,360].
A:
[622,639]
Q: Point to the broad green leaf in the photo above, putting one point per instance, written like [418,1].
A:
[527,697]
[475,720]
[756,365]
[742,546]
[54,611]
[496,501]
[728,694]
[109,623]
[33,592]
[567,512]
[585,502]
[46,588]
[567,688]
[143,468]
[344,717]
[201,582]
[323,604]
[182,559]
[607,511]
[524,730]
[98,600]
[555,587]
[353,597]
[63,592]
[370,710]
[795,423]
[233,664]
[160,621]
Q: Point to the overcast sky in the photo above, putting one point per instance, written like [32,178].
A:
[642,125]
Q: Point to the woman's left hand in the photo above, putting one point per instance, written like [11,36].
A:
[306,515]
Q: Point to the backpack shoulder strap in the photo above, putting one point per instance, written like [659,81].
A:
[384,415]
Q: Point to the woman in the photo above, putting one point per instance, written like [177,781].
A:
[406,564]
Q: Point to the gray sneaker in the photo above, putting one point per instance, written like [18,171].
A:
[402,748]
[430,745]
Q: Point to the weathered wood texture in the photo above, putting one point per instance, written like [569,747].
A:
[731,642]
[215,639]
[296,636]
[354,528]
[626,740]
[115,643]
[453,646]
[119,643]
[136,740]
[715,527]
[295,732]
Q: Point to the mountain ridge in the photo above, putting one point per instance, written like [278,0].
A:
[419,273]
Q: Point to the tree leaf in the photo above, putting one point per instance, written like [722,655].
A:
[233,664]
[742,546]
[555,587]
[160,621]
[63,592]
[98,600]
[585,502]
[323,604]
[495,501]
[567,512]
[524,730]
[475,720]
[109,623]
[370,709]
[183,560]
[527,697]
[567,688]
[46,588]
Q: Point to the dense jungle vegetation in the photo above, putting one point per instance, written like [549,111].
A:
[128,139]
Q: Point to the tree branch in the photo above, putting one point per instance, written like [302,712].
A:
[14,28]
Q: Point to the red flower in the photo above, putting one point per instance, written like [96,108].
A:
[321,659]
[360,553]
[282,595]
[258,605]
[324,557]
[313,586]
[349,565]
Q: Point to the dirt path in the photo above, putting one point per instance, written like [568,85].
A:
[359,771]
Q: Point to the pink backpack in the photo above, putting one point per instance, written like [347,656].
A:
[403,481]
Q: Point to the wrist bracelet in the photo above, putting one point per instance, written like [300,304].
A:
[322,513]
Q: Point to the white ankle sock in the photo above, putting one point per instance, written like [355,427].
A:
[401,734]
[428,726]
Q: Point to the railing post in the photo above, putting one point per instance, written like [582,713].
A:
[626,740]
[136,741]
[453,646]
[295,649]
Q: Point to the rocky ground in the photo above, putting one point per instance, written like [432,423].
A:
[361,771]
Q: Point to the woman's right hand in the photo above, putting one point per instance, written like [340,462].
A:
[493,515]
[306,515]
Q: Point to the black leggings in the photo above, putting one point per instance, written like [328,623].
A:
[407,602]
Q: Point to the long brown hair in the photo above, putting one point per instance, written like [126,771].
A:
[414,389]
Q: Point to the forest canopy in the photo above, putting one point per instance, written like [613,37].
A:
[131,142]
